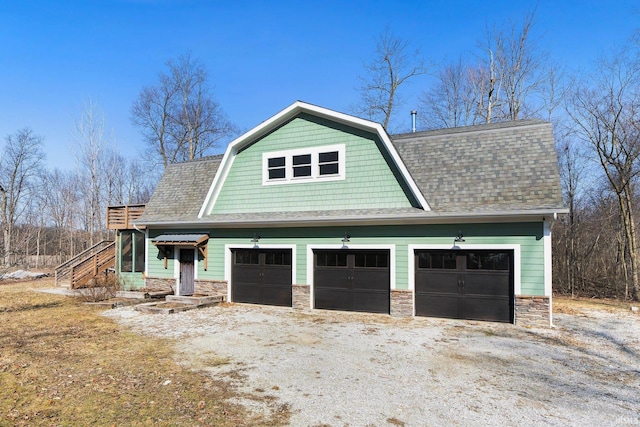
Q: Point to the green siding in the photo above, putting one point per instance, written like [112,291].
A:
[155,261]
[527,235]
[131,281]
[370,181]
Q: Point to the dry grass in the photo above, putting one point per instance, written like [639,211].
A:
[62,364]
[568,305]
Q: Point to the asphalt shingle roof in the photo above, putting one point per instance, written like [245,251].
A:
[181,191]
[502,167]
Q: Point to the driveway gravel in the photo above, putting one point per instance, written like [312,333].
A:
[349,369]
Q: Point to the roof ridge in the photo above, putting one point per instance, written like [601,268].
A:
[479,128]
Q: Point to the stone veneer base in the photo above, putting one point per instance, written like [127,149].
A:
[530,311]
[533,311]
[401,303]
[156,284]
[301,297]
[211,287]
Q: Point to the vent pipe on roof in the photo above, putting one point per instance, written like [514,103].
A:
[414,113]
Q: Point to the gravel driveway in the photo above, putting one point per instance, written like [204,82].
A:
[347,369]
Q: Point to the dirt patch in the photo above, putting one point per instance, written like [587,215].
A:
[334,368]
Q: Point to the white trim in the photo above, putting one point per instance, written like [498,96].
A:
[146,253]
[546,242]
[312,247]
[548,267]
[517,287]
[287,114]
[315,165]
[228,264]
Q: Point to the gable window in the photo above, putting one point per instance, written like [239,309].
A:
[328,163]
[325,163]
[276,168]
[301,165]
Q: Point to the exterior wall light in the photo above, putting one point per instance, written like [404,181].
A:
[458,239]
[255,240]
[346,239]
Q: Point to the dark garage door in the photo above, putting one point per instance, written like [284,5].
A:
[261,276]
[352,280]
[459,284]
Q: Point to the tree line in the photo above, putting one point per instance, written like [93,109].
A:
[596,118]
[507,75]
[48,216]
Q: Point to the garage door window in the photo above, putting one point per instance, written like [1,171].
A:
[247,257]
[488,261]
[331,259]
[378,260]
[446,261]
[278,258]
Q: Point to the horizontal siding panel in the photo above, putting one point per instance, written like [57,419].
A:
[243,191]
[524,234]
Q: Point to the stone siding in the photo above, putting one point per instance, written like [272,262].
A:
[156,284]
[533,311]
[211,287]
[301,297]
[401,303]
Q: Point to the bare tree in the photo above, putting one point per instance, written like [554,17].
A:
[451,101]
[605,111]
[520,66]
[510,78]
[486,84]
[132,184]
[572,171]
[22,159]
[93,166]
[391,67]
[61,204]
[178,117]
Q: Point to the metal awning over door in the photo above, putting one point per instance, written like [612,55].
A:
[352,280]
[464,284]
[199,241]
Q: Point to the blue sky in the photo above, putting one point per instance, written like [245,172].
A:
[261,55]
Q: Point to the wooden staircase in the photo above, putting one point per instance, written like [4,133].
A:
[81,269]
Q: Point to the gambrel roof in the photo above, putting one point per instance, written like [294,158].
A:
[484,172]
[494,167]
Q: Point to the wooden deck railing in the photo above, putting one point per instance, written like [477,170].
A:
[123,217]
[80,269]
[89,268]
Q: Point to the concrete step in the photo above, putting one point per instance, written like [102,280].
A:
[196,299]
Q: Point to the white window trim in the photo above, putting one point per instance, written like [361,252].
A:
[315,167]
[228,260]
[517,289]
[311,248]
[146,253]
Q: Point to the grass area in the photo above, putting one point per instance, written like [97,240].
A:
[62,364]
[566,304]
